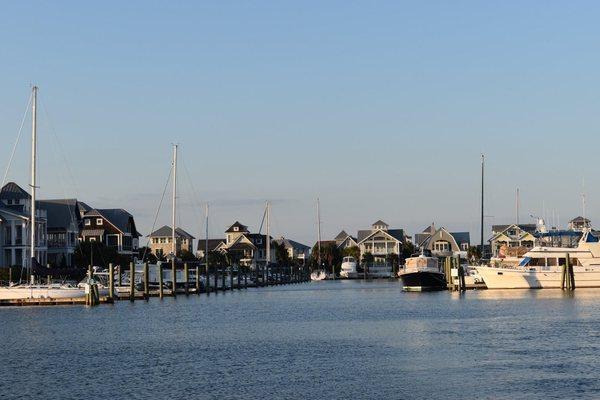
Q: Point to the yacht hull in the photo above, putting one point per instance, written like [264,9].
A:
[24,292]
[504,278]
[422,281]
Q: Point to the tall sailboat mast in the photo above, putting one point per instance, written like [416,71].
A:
[33,173]
[268,244]
[206,243]
[174,214]
[318,234]
[482,174]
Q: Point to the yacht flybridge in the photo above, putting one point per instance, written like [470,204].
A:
[541,267]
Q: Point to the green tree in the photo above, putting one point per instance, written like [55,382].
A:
[96,253]
[352,251]
[474,253]
[186,255]
[406,250]
[281,253]
[145,254]
[331,256]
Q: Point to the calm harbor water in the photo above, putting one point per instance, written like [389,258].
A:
[334,340]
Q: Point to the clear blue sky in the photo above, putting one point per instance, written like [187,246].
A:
[380,108]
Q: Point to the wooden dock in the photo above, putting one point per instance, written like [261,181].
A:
[219,280]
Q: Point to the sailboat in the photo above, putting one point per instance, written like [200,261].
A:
[318,274]
[33,290]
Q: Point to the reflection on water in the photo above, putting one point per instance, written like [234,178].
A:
[343,339]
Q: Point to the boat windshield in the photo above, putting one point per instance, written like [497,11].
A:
[524,261]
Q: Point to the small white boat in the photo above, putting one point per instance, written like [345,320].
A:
[318,275]
[32,291]
[422,273]
[348,269]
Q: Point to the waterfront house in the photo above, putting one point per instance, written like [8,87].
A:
[514,239]
[296,251]
[161,241]
[380,241]
[344,240]
[64,218]
[113,227]
[15,210]
[213,245]
[442,243]
[245,248]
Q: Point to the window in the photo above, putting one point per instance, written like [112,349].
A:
[163,240]
[259,241]
[98,221]
[235,229]
[88,222]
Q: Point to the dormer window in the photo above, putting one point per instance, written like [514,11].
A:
[98,221]
[88,222]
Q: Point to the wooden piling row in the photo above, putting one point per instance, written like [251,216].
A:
[567,276]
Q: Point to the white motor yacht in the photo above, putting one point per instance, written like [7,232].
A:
[348,269]
[541,267]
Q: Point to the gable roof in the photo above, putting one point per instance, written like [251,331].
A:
[341,236]
[461,237]
[118,217]
[288,243]
[531,228]
[397,234]
[60,213]
[12,191]
[166,231]
[212,244]
[379,222]
[240,227]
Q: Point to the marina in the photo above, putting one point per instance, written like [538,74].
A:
[261,343]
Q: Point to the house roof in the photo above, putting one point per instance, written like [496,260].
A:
[379,222]
[325,243]
[342,235]
[118,217]
[12,211]
[12,191]
[420,238]
[240,227]
[166,231]
[397,234]
[531,228]
[60,213]
[212,244]
[288,243]
[461,237]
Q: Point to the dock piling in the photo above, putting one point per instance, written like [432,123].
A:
[146,281]
[160,281]
[111,281]
[131,281]
[186,278]
[173,277]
